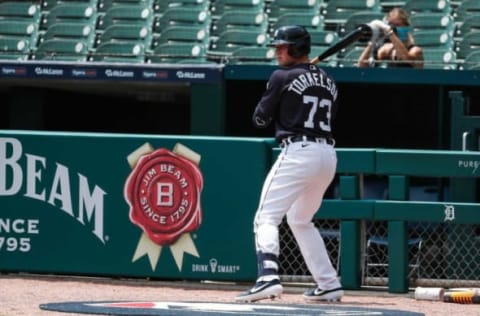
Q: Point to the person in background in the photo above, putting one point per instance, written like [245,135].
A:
[398,48]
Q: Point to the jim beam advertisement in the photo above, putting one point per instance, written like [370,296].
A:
[131,209]
[164,195]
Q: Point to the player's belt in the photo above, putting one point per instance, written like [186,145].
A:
[306,138]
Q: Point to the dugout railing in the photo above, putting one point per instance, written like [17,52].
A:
[447,228]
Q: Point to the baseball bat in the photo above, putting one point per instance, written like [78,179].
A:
[361,32]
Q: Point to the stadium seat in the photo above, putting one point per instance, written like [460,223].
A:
[14,48]
[160,6]
[432,21]
[281,7]
[349,57]
[253,55]
[105,5]
[125,33]
[61,50]
[418,6]
[469,24]
[178,53]
[439,58]
[182,17]
[434,38]
[469,42]
[47,5]
[20,11]
[388,5]
[223,46]
[131,14]
[323,38]
[84,31]
[183,34]
[311,21]
[26,30]
[337,12]
[119,51]
[471,61]
[465,9]
[358,18]
[69,12]
[240,20]
[219,7]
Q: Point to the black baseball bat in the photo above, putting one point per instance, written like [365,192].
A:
[361,32]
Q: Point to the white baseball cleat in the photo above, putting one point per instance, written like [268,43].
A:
[317,294]
[260,291]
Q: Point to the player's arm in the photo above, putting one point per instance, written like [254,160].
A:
[266,107]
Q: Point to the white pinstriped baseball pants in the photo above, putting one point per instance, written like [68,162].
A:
[294,188]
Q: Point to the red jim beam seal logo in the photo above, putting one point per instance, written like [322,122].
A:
[163,193]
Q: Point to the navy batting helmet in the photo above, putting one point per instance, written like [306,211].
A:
[296,37]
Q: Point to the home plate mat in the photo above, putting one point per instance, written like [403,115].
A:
[137,308]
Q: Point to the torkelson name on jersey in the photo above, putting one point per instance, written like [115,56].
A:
[309,79]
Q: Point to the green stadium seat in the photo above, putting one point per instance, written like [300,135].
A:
[183,34]
[432,21]
[14,48]
[388,5]
[125,32]
[311,21]
[439,58]
[104,5]
[278,8]
[190,53]
[240,20]
[360,17]
[84,31]
[20,30]
[61,50]
[469,42]
[471,61]
[47,5]
[323,38]
[20,11]
[197,17]
[160,6]
[69,12]
[350,56]
[465,9]
[433,38]
[223,46]
[469,24]
[119,51]
[337,12]
[418,6]
[219,7]
[126,14]
[253,55]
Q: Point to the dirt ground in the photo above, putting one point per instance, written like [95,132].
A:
[22,295]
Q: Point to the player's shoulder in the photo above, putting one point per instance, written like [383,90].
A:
[280,74]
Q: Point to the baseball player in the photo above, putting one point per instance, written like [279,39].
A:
[302,99]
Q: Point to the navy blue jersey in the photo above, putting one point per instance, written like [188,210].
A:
[302,100]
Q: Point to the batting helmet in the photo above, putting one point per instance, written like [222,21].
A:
[296,37]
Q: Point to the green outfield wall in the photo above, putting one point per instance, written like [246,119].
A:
[181,207]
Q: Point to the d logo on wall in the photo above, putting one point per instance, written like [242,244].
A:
[163,192]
